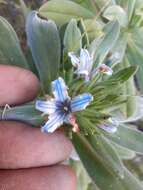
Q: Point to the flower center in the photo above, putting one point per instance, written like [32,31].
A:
[65,107]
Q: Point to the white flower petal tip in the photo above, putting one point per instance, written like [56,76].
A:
[74,59]
[108,128]
[105,69]
[44,130]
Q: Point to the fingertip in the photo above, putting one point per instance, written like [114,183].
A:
[22,146]
[17,85]
[46,178]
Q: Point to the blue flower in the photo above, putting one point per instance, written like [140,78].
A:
[61,108]
[84,65]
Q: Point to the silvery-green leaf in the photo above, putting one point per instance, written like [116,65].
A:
[102,4]
[128,90]
[82,176]
[131,8]
[10,50]
[89,4]
[101,176]
[93,28]
[92,186]
[112,31]
[63,11]
[124,153]
[116,12]
[24,113]
[106,153]
[84,34]
[134,53]
[24,8]
[72,37]
[44,42]
[118,50]
[138,110]
[128,137]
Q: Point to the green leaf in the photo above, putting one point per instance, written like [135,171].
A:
[116,12]
[89,4]
[63,11]
[82,176]
[44,42]
[93,187]
[107,154]
[138,110]
[112,31]
[25,113]
[97,171]
[131,9]
[124,153]
[128,89]
[123,75]
[83,29]
[117,79]
[24,8]
[10,51]
[134,53]
[118,50]
[93,29]
[128,137]
[72,37]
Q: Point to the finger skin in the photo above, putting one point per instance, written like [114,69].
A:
[17,85]
[47,178]
[22,146]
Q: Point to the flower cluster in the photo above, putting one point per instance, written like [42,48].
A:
[61,108]
[84,65]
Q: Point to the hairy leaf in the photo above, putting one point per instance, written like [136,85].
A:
[10,50]
[44,41]
[63,11]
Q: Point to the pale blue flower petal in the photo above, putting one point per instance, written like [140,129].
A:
[82,72]
[81,102]
[86,61]
[110,126]
[59,90]
[55,121]
[48,107]
[74,59]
